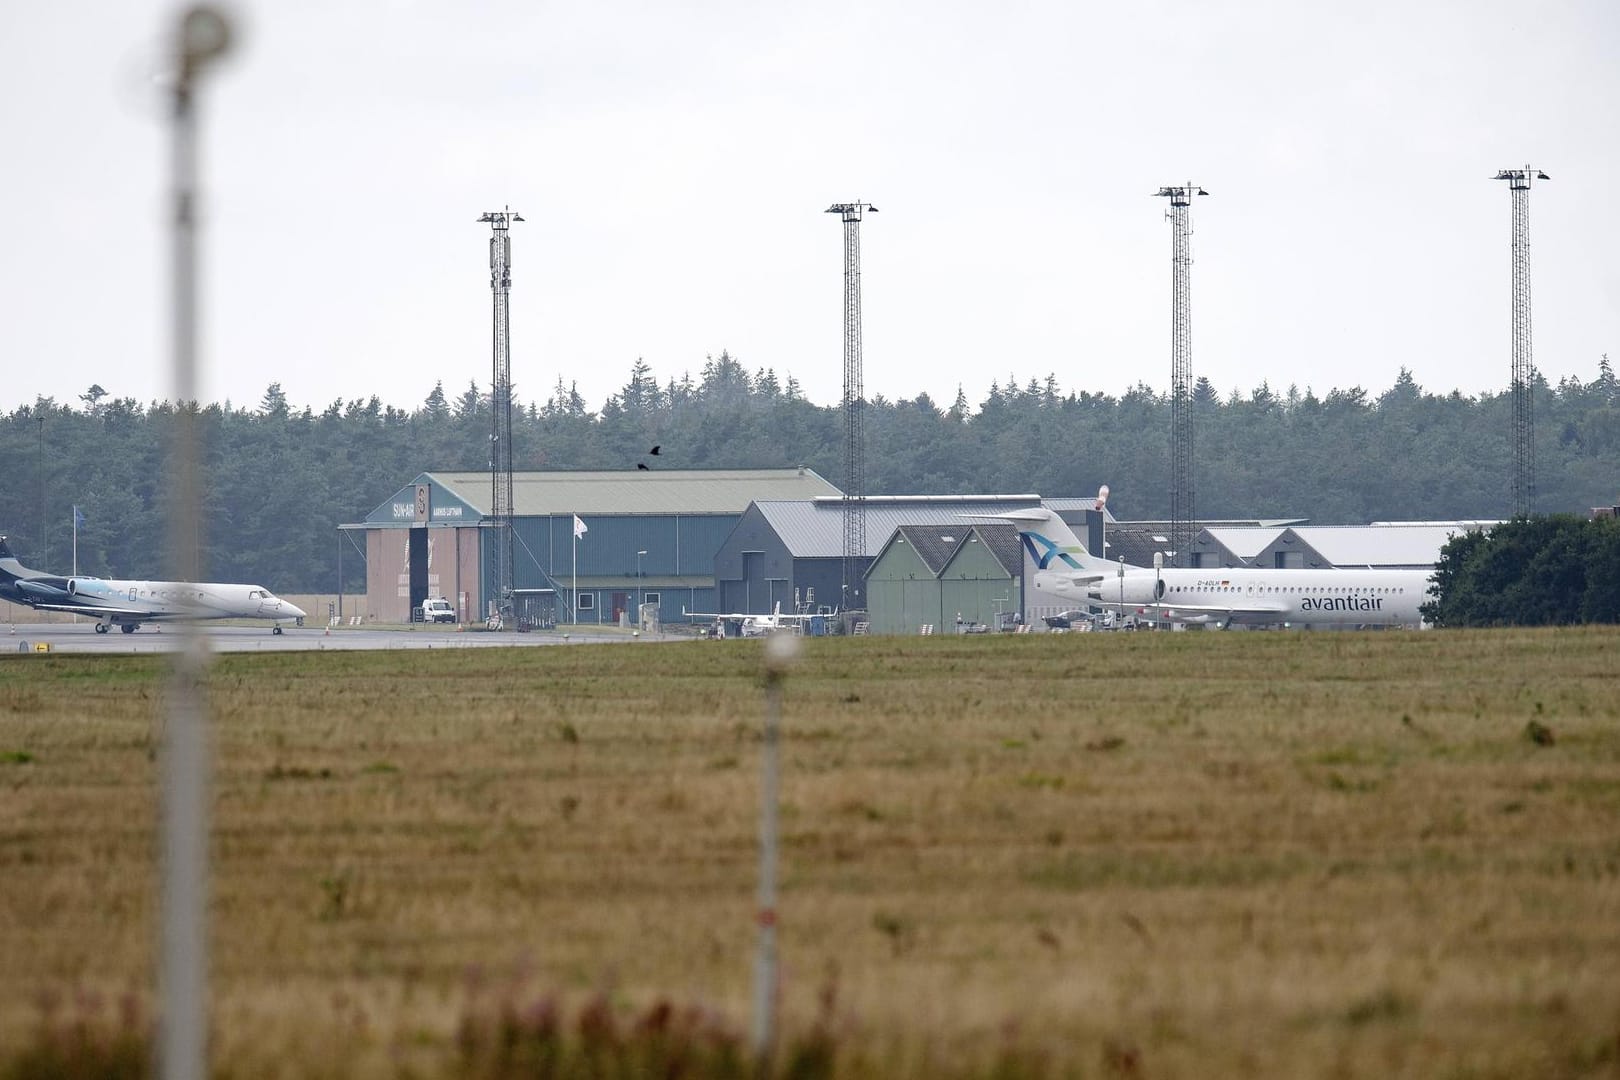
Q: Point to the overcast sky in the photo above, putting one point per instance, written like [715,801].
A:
[673,161]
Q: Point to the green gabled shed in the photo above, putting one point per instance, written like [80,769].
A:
[926,574]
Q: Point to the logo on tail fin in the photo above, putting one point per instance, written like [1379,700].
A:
[1046,552]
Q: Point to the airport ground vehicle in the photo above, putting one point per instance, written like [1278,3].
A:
[435,609]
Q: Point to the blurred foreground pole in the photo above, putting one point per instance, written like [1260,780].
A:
[182,1050]
[780,650]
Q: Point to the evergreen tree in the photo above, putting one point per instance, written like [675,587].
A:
[436,407]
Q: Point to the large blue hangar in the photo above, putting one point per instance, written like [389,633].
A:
[650,536]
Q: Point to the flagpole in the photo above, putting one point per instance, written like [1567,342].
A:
[576,576]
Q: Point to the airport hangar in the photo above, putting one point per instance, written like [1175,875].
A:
[713,540]
[650,535]
[1292,544]
[1388,545]
[927,557]
[745,540]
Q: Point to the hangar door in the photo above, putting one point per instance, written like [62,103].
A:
[419,570]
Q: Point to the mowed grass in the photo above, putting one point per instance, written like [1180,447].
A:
[1202,854]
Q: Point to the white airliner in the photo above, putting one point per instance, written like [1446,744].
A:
[1066,572]
[756,625]
[128,604]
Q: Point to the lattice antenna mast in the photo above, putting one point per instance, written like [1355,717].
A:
[1182,513]
[500,433]
[1524,368]
[854,405]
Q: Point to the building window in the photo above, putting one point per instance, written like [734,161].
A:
[586,601]
[650,598]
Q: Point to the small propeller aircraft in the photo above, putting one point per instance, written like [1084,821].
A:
[755,625]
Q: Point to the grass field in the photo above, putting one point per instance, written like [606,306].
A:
[1166,855]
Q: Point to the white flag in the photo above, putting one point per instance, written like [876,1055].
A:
[579,528]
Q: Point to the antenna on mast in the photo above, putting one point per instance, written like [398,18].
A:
[500,434]
[1182,513]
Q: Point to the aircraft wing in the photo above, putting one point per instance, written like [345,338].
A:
[1172,610]
[100,609]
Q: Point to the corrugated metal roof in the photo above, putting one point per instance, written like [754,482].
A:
[1136,544]
[1001,538]
[1221,523]
[935,543]
[815,530]
[1380,545]
[657,491]
[1245,543]
[1064,506]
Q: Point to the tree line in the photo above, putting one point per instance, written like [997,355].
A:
[1556,570]
[279,478]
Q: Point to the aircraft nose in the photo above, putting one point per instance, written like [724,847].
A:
[292,609]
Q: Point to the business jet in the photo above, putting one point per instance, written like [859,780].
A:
[1067,572]
[128,604]
[756,625]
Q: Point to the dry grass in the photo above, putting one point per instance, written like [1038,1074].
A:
[1387,854]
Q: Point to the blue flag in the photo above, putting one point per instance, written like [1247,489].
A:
[78,519]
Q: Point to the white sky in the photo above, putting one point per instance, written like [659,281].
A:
[673,161]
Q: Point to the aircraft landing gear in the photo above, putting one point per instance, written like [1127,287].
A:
[276,629]
[130,628]
[101,627]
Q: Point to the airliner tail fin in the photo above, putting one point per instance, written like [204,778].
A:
[1050,541]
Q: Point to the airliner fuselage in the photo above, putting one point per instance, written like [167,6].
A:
[1251,597]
